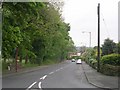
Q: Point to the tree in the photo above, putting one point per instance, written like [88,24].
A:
[117,49]
[118,46]
[108,47]
[37,30]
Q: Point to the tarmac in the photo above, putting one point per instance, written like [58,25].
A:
[95,78]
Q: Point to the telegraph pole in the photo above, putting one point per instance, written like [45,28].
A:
[98,56]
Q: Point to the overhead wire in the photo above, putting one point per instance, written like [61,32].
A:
[108,35]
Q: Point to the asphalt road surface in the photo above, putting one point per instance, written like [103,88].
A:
[64,75]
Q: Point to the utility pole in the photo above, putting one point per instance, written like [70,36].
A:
[98,56]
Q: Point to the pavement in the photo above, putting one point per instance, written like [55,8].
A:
[100,80]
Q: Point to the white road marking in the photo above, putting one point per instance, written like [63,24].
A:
[31,85]
[39,85]
[57,70]
[43,77]
[61,68]
[51,72]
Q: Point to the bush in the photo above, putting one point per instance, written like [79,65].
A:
[110,70]
[93,63]
[112,59]
[75,57]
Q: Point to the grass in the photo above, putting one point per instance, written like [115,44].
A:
[49,62]
[29,65]
[46,62]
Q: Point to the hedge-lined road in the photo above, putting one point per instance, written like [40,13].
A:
[64,75]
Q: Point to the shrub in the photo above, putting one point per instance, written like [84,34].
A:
[112,59]
[75,57]
[110,70]
[93,63]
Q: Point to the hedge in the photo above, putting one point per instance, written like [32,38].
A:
[93,63]
[111,70]
[112,59]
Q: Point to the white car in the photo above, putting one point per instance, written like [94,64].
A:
[79,61]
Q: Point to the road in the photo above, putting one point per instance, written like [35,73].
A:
[65,75]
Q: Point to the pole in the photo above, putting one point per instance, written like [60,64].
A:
[98,68]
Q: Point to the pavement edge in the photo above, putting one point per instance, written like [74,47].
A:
[98,86]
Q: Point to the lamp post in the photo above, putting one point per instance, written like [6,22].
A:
[90,37]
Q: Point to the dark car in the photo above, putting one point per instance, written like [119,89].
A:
[73,60]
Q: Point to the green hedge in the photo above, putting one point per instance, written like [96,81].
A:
[112,59]
[93,63]
[75,57]
[110,70]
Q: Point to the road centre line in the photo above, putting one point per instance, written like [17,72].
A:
[51,72]
[57,70]
[43,77]
[31,85]
[61,68]
[36,82]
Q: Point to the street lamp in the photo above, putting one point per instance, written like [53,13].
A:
[90,37]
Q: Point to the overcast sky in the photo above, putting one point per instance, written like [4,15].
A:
[82,16]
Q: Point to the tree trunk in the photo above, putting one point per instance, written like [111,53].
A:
[20,59]
[26,59]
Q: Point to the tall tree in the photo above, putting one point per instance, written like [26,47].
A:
[108,47]
[37,29]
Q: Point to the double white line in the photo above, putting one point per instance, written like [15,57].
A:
[42,78]
[31,85]
[39,85]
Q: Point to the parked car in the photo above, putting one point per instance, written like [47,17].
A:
[79,61]
[73,60]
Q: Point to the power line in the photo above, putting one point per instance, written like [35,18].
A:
[105,25]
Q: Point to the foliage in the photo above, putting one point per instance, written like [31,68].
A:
[110,70]
[93,63]
[117,49]
[112,59]
[88,54]
[37,30]
[108,47]
[96,51]
[75,57]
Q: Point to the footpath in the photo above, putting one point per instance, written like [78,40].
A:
[99,80]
